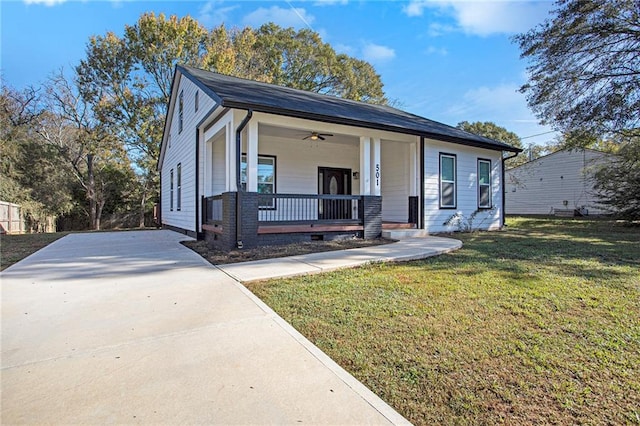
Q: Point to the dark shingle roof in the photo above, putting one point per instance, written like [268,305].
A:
[233,92]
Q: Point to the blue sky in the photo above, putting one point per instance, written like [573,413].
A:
[445,60]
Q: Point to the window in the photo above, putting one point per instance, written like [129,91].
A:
[179,197]
[171,192]
[197,101]
[447,181]
[484,184]
[266,177]
[180,111]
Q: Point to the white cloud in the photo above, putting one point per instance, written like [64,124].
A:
[45,2]
[414,8]
[285,17]
[432,50]
[481,17]
[489,100]
[212,13]
[437,29]
[344,48]
[377,53]
[330,2]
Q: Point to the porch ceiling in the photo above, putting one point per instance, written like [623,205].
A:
[299,134]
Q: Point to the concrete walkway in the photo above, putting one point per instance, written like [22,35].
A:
[133,327]
[409,249]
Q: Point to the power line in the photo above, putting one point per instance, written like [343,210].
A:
[539,134]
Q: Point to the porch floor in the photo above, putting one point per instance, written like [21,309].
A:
[398,225]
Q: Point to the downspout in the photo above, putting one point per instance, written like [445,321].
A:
[239,192]
[197,179]
[504,186]
[421,200]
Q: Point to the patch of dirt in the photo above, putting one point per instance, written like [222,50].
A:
[218,257]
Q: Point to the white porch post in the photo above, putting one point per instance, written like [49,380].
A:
[230,159]
[252,157]
[413,169]
[365,165]
[376,178]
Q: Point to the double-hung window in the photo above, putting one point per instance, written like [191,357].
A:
[179,197]
[266,177]
[448,181]
[171,191]
[484,184]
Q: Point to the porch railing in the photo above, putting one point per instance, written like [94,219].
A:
[414,210]
[212,209]
[310,208]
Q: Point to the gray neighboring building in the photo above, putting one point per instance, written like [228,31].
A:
[556,183]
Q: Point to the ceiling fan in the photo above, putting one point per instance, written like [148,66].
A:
[314,136]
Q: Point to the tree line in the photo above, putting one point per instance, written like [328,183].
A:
[86,142]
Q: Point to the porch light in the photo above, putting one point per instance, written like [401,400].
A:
[314,137]
[356,175]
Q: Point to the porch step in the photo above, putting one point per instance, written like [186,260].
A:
[403,234]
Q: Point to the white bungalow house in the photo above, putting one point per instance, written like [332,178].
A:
[244,163]
[557,184]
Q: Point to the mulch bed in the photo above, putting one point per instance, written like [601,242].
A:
[218,257]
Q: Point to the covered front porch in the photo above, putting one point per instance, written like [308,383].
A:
[299,180]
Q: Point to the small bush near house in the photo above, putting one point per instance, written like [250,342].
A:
[539,323]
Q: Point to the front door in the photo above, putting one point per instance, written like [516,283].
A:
[332,181]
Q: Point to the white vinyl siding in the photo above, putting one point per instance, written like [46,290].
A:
[484,184]
[395,159]
[182,150]
[543,185]
[466,186]
[298,162]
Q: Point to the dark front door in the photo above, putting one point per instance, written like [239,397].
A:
[333,181]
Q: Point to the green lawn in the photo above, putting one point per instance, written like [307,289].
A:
[14,248]
[539,323]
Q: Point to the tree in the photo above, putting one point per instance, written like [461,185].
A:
[585,81]
[31,174]
[584,66]
[491,130]
[127,80]
[618,185]
[90,153]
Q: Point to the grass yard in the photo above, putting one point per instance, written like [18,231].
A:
[539,323]
[14,248]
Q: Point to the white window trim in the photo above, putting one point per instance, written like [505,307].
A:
[171,191]
[488,185]
[180,110]
[179,187]
[243,181]
[454,181]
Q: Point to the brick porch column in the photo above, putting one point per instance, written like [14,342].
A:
[372,215]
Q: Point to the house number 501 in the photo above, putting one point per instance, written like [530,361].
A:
[377,174]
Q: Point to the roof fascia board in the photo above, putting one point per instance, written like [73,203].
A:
[168,116]
[213,95]
[356,123]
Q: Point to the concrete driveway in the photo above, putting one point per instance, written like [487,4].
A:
[132,327]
